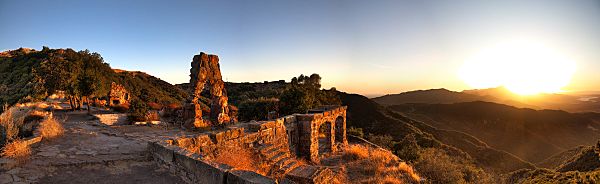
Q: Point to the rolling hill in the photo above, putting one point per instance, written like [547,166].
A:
[374,118]
[533,135]
[575,102]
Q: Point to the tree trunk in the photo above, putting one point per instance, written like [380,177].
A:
[80,102]
[77,103]
[89,106]
[71,103]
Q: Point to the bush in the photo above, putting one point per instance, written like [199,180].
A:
[138,110]
[257,109]
[408,149]
[50,128]
[385,141]
[10,125]
[18,150]
[438,167]
[355,132]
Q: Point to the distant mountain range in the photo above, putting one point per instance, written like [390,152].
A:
[574,102]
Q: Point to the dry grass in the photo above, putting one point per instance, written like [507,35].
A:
[18,150]
[12,119]
[50,128]
[364,164]
[241,159]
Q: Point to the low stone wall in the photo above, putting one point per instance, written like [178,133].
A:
[192,168]
[245,135]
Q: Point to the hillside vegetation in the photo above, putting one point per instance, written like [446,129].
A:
[461,149]
[581,167]
[29,75]
[532,135]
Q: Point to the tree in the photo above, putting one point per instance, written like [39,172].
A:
[87,85]
[295,100]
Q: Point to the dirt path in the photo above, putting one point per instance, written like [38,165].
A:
[91,152]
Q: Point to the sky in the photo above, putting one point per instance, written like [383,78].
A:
[366,47]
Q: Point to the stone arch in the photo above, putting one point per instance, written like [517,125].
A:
[325,138]
[340,129]
[206,71]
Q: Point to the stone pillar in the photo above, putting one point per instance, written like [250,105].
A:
[205,68]
[340,127]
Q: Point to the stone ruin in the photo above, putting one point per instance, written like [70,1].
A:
[205,69]
[117,95]
[280,142]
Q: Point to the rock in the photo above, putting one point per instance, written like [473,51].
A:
[13,171]
[15,178]
[5,178]
[47,153]
[6,163]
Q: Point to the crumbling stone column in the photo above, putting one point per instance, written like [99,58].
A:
[205,69]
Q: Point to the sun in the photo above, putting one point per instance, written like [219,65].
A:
[525,68]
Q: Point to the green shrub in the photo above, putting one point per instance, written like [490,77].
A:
[385,141]
[138,110]
[257,109]
[355,132]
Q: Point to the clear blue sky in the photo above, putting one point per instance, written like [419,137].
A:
[368,47]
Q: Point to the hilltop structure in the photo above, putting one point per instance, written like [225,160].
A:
[205,69]
[279,142]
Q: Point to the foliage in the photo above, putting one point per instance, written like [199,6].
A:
[257,109]
[385,141]
[355,131]
[28,75]
[437,167]
[138,110]
[50,128]
[17,149]
[408,149]
[304,93]
[527,176]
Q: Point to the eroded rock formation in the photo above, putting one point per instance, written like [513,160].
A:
[117,95]
[205,69]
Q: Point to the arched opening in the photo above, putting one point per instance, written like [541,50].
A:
[339,129]
[325,143]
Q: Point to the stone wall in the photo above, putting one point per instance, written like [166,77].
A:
[299,133]
[192,168]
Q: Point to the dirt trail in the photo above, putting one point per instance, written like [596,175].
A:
[91,152]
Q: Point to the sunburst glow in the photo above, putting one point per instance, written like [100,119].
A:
[522,67]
